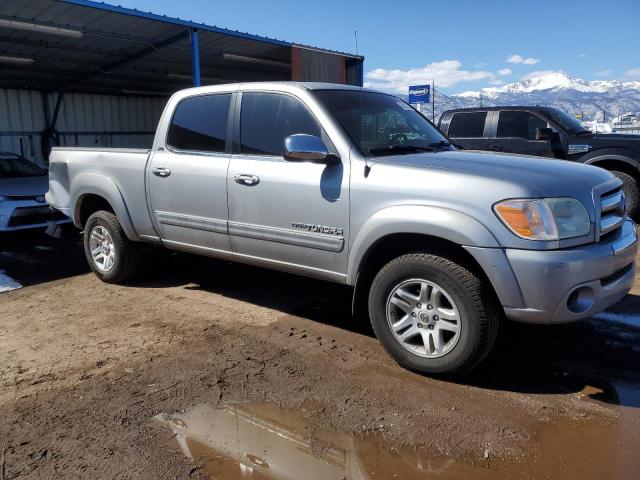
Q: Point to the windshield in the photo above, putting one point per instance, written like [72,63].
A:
[570,124]
[12,167]
[381,124]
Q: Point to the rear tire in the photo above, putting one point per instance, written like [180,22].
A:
[110,254]
[465,330]
[631,192]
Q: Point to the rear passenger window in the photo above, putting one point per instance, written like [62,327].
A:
[266,119]
[513,123]
[200,123]
[467,124]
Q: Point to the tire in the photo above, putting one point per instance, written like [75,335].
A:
[631,192]
[124,254]
[461,292]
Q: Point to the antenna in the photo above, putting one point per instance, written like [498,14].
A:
[355,35]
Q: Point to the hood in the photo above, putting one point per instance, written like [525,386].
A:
[538,176]
[617,136]
[24,186]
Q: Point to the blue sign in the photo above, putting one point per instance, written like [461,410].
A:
[420,94]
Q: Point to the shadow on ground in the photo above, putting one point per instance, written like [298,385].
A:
[31,257]
[531,359]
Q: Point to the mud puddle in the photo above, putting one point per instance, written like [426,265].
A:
[264,441]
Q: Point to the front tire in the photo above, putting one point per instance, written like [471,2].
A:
[110,254]
[631,192]
[433,315]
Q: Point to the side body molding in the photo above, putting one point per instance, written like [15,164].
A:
[439,222]
[96,184]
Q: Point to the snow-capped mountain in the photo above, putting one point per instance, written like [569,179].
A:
[593,99]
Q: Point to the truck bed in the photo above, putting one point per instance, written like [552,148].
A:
[71,170]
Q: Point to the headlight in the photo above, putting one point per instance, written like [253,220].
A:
[544,219]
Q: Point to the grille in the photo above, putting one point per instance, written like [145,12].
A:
[612,212]
[33,215]
[617,275]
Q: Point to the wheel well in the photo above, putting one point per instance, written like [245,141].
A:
[88,204]
[392,246]
[619,166]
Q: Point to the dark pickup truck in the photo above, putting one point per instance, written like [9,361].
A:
[547,132]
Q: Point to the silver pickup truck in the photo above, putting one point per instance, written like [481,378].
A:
[354,186]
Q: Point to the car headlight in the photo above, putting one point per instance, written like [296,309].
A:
[544,219]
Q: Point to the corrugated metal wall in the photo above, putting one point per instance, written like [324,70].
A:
[311,65]
[84,120]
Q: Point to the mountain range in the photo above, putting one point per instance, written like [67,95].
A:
[594,100]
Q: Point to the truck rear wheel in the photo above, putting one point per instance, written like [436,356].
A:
[432,315]
[631,192]
[111,255]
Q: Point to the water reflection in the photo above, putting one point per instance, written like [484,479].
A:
[267,442]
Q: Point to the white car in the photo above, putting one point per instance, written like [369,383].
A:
[22,188]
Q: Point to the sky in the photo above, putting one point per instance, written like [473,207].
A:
[461,44]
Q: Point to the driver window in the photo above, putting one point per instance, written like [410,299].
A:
[519,124]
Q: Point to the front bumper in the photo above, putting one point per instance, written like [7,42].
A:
[25,214]
[562,286]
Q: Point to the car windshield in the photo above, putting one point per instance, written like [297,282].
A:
[381,124]
[570,124]
[12,167]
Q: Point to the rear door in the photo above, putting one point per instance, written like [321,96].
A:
[292,214]
[187,180]
[515,132]
[469,129]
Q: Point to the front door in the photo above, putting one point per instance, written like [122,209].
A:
[291,214]
[187,180]
[516,133]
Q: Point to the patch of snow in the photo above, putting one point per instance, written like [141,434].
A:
[632,319]
[7,283]
[597,127]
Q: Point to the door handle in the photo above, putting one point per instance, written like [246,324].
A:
[496,148]
[248,180]
[161,172]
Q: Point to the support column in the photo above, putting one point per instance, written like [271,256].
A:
[195,57]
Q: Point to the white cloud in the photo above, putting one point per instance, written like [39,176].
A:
[505,71]
[632,73]
[582,55]
[539,73]
[515,58]
[496,82]
[446,73]
[603,73]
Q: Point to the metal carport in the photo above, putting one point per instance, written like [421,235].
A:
[78,72]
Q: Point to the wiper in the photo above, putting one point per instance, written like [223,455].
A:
[584,132]
[400,149]
[441,143]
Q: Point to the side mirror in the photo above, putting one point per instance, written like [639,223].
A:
[306,148]
[545,134]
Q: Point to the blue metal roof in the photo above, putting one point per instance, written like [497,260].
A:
[201,26]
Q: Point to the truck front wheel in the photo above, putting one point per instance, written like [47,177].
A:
[631,192]
[111,255]
[432,315]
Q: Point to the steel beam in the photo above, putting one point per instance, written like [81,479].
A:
[195,57]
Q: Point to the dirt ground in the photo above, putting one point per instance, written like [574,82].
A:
[86,366]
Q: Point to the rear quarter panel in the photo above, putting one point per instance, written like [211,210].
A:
[118,175]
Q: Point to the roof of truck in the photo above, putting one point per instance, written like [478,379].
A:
[505,107]
[229,87]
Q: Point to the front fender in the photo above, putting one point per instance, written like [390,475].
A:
[618,154]
[96,184]
[438,222]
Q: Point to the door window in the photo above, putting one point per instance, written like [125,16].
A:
[266,119]
[200,123]
[513,123]
[467,125]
